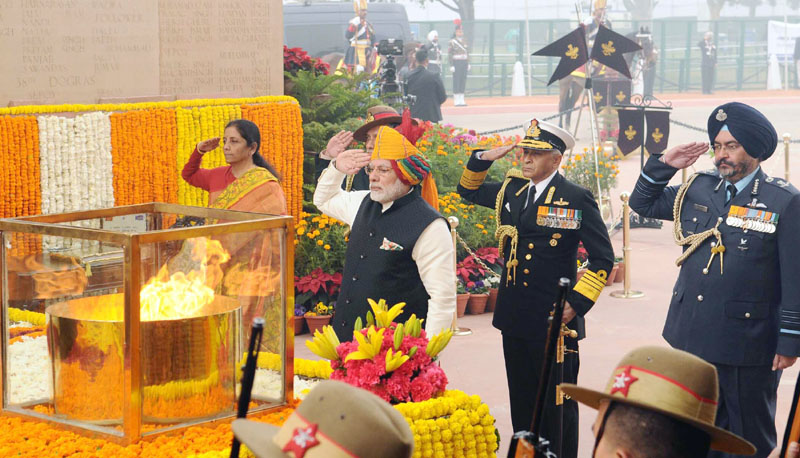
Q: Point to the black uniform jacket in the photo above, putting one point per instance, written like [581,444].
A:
[429,89]
[545,252]
[751,310]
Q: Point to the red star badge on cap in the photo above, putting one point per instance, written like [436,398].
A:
[623,381]
[302,440]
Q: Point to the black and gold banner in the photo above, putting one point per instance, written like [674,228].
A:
[609,48]
[630,130]
[571,48]
[600,94]
[657,131]
[619,92]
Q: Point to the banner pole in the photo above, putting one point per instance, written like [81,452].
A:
[626,249]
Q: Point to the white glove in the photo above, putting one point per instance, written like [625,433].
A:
[355,21]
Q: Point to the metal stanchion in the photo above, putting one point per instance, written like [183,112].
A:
[453,225]
[787,138]
[626,248]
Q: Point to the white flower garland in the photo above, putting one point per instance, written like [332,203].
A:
[30,376]
[76,167]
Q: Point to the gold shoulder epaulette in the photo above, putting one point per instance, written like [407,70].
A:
[515,173]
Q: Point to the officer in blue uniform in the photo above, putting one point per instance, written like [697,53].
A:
[541,218]
[736,302]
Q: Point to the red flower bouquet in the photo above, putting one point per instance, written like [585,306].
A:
[396,361]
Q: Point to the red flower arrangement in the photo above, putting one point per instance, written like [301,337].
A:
[394,361]
[317,286]
[295,59]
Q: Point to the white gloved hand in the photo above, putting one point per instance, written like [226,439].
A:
[355,21]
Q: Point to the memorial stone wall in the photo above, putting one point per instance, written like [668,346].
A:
[87,51]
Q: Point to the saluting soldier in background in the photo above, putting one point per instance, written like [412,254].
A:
[541,218]
[736,302]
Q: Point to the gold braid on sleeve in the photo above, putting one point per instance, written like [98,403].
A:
[505,231]
[694,240]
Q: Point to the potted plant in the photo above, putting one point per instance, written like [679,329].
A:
[296,59]
[462,297]
[319,317]
[491,257]
[299,320]
[478,295]
[494,283]
[619,263]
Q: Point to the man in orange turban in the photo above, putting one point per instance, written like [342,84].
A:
[400,247]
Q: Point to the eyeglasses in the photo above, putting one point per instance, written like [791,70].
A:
[730,147]
[381,170]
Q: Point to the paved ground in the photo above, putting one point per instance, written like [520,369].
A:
[474,363]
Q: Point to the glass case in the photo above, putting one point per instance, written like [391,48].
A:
[132,321]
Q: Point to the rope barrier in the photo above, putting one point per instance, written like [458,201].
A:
[522,126]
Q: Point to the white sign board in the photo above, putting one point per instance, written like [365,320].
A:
[781,39]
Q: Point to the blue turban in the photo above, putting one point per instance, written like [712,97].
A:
[747,125]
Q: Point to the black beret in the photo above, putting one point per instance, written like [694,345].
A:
[747,125]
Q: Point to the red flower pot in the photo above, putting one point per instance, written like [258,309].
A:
[477,303]
[315,323]
[299,324]
[612,276]
[461,304]
[492,302]
[620,277]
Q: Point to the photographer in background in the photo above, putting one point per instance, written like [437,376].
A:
[428,89]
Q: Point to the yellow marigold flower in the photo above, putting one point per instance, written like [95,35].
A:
[320,242]
[327,247]
[301,230]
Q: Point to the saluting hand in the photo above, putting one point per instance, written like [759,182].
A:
[683,156]
[351,161]
[496,153]
[338,143]
[207,145]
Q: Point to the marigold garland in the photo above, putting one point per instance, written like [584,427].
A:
[20,176]
[143,148]
[78,108]
[27,316]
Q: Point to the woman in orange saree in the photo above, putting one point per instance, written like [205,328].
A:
[251,184]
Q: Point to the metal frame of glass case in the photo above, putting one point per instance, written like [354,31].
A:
[132,242]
